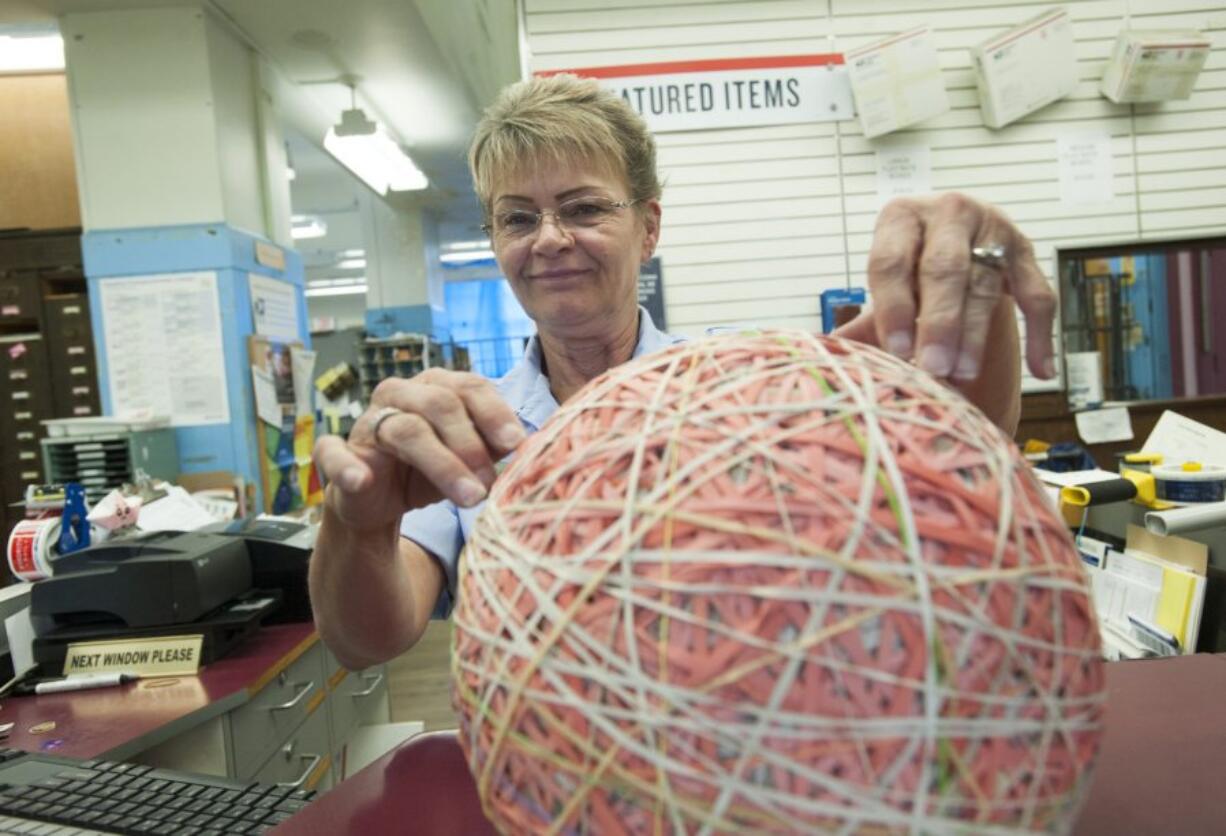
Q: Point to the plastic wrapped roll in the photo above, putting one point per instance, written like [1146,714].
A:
[31,548]
[1182,520]
[1190,482]
[1099,493]
[1143,462]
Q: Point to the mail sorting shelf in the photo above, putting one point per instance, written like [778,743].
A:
[105,461]
[401,356]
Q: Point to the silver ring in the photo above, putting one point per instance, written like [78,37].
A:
[382,415]
[990,255]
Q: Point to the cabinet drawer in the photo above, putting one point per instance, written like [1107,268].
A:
[67,315]
[303,759]
[261,724]
[21,418]
[42,250]
[23,357]
[19,297]
[354,700]
[75,399]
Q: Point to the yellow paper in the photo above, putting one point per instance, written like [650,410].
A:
[1174,603]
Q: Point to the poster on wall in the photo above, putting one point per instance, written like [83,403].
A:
[731,92]
[286,430]
[651,291]
[164,351]
[274,308]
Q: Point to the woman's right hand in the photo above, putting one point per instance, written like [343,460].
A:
[441,438]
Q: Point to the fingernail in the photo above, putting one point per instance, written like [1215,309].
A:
[936,360]
[967,367]
[1049,367]
[509,435]
[351,478]
[468,491]
[487,475]
[899,344]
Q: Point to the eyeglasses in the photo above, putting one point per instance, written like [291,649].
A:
[578,213]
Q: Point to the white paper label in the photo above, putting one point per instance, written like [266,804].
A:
[1099,426]
[1086,170]
[164,347]
[904,170]
[274,308]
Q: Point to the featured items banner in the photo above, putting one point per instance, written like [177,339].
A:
[732,93]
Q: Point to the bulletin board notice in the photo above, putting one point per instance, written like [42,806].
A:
[164,349]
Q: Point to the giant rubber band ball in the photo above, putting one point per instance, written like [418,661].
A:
[774,583]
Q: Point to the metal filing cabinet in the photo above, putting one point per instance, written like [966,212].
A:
[47,367]
[70,351]
[25,401]
[105,460]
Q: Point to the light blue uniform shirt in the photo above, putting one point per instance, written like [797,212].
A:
[443,528]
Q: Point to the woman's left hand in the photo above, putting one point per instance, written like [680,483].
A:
[954,315]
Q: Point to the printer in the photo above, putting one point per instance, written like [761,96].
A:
[159,579]
[221,583]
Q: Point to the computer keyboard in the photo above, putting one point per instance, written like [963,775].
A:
[48,795]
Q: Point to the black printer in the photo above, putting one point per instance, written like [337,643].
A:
[158,579]
[219,583]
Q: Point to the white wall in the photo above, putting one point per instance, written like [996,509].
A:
[166,125]
[753,218]
[350,311]
[145,141]
[238,132]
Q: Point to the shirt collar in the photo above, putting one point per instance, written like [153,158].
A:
[526,387]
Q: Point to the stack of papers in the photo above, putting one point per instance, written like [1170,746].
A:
[1152,593]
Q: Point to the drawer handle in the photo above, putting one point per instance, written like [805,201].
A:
[308,688]
[312,762]
[373,686]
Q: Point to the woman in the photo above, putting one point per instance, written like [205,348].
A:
[566,175]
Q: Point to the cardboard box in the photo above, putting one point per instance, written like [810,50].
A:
[897,82]
[1154,65]
[1025,68]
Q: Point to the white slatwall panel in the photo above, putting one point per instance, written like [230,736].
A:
[758,221]
[753,227]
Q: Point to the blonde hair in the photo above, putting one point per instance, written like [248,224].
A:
[559,118]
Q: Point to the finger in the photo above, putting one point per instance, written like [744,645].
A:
[944,268]
[450,423]
[862,329]
[982,297]
[413,440]
[1037,299]
[341,465]
[891,267]
[494,419]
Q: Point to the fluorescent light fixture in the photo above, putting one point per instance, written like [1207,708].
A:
[457,246]
[351,264]
[31,53]
[308,226]
[290,174]
[338,290]
[354,253]
[467,257]
[372,154]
